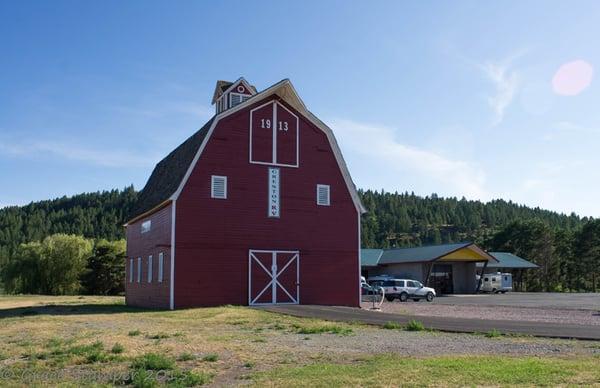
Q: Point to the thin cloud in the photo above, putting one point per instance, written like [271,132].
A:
[570,129]
[377,145]
[99,157]
[506,83]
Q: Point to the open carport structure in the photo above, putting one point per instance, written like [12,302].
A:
[449,268]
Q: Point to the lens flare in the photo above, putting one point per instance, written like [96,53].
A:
[572,78]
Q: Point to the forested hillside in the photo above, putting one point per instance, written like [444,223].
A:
[392,219]
[566,247]
[92,215]
[398,220]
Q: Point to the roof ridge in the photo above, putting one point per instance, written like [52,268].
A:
[465,243]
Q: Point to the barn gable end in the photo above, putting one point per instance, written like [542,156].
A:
[265,205]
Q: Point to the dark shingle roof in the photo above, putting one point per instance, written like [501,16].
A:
[224,85]
[370,257]
[508,260]
[419,254]
[168,173]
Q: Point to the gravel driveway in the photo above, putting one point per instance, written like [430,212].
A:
[376,341]
[579,317]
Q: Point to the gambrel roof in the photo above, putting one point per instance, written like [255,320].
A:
[170,175]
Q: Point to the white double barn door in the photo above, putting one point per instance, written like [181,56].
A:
[273,277]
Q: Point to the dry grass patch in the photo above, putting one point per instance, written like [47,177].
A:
[221,345]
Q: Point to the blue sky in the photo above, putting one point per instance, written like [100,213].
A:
[476,99]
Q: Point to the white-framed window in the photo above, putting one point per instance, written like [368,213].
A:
[130,270]
[146,226]
[139,270]
[161,260]
[218,187]
[323,195]
[150,269]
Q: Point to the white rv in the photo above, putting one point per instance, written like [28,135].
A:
[496,282]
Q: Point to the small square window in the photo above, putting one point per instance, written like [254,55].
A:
[323,196]
[218,187]
[146,226]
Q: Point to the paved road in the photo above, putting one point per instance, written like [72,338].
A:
[460,325]
[578,301]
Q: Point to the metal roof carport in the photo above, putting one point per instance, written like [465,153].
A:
[428,255]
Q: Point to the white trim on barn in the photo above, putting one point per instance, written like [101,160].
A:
[274,125]
[172,273]
[286,91]
[248,87]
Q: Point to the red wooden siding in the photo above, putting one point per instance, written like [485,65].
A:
[213,236]
[157,240]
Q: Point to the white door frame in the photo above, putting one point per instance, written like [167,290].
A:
[274,273]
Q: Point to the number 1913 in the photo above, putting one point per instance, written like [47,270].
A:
[281,125]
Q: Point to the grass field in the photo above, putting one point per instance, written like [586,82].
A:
[99,341]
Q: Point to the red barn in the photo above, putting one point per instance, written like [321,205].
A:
[257,207]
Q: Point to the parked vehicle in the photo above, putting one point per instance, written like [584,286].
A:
[402,289]
[497,282]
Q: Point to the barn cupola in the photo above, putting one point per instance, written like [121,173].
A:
[229,94]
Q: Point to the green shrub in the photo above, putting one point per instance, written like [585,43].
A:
[392,325]
[493,333]
[189,379]
[141,378]
[82,350]
[153,361]
[158,336]
[186,357]
[415,325]
[210,357]
[96,356]
[249,365]
[133,333]
[117,348]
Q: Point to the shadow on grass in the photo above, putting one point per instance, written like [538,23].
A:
[70,309]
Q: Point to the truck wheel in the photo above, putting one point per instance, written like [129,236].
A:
[389,298]
[429,297]
[403,297]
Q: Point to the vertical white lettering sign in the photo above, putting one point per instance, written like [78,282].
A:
[273,192]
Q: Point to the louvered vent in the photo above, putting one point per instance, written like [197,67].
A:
[235,99]
[219,187]
[323,198]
